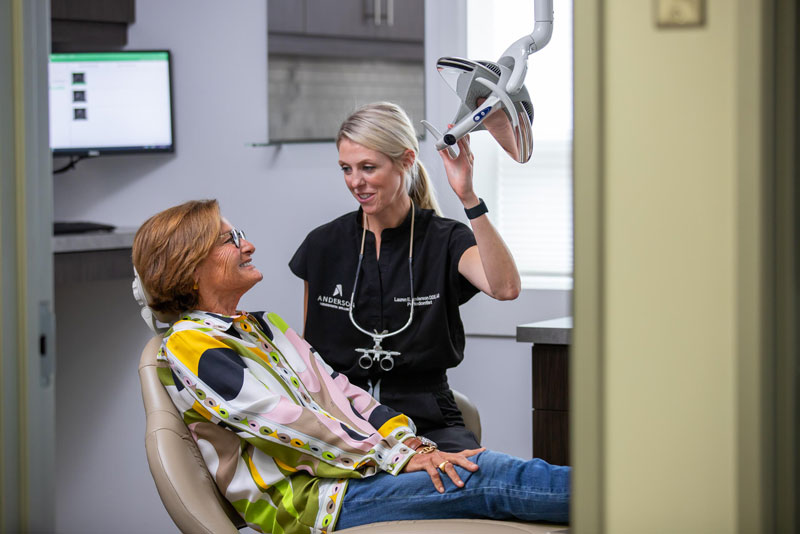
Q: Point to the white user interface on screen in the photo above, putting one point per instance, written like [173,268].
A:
[113,100]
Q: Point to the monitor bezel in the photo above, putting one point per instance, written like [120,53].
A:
[138,149]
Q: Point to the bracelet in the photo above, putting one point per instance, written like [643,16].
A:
[421,444]
[476,211]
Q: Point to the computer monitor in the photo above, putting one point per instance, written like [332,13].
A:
[111,103]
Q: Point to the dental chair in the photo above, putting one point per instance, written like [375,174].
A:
[195,504]
[190,494]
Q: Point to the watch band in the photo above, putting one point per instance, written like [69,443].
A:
[428,442]
[476,211]
[420,444]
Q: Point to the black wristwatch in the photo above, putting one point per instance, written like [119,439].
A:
[477,211]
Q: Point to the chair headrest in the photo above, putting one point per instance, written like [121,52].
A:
[158,322]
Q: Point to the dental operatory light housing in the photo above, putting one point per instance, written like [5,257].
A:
[493,95]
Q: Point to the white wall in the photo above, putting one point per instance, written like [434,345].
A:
[277,194]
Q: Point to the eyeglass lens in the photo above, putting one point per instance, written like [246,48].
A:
[237,235]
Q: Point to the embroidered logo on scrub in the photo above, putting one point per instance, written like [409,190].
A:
[334,301]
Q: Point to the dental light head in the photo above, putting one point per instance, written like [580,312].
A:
[493,95]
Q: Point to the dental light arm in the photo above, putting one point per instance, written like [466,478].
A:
[499,87]
[519,51]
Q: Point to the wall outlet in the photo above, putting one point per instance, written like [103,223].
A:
[680,13]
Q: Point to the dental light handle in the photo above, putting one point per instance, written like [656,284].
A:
[463,127]
[494,103]
[440,144]
[470,122]
[517,54]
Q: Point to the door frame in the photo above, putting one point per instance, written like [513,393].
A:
[27,421]
[766,286]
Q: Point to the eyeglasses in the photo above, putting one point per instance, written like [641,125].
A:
[235,237]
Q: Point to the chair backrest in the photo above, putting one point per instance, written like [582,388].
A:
[472,419]
[184,484]
[158,322]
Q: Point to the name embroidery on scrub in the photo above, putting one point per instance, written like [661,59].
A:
[419,301]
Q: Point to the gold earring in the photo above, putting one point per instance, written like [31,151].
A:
[196,287]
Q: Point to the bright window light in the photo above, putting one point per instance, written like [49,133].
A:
[532,202]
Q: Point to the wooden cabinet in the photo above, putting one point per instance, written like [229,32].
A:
[367,19]
[550,403]
[384,29]
[90,24]
[286,17]
[550,387]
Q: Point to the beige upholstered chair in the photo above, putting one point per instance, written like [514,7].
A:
[186,488]
[472,419]
[197,507]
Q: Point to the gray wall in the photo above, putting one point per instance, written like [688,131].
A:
[277,194]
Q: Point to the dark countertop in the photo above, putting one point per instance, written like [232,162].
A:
[120,238]
[93,256]
[552,332]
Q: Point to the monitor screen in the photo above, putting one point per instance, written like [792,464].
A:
[110,102]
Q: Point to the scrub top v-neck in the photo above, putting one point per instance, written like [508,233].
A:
[434,341]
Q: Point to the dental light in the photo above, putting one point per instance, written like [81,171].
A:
[493,95]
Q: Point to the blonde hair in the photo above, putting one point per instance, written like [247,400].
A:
[386,128]
[167,249]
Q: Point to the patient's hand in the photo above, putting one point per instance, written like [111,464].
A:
[430,463]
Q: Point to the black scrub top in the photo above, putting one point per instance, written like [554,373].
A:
[434,341]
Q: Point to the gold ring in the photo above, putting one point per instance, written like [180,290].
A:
[442,465]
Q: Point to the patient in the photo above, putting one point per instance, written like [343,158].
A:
[291,443]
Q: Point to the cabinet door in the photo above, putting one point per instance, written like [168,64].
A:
[286,16]
[90,24]
[93,10]
[401,20]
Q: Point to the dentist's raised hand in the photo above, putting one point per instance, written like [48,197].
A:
[459,172]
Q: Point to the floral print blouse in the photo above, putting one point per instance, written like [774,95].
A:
[280,431]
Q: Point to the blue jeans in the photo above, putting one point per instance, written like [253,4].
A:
[504,487]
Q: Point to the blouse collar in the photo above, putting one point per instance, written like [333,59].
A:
[214,320]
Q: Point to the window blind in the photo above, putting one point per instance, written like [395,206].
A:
[534,204]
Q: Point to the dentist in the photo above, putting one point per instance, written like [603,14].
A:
[383,284]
